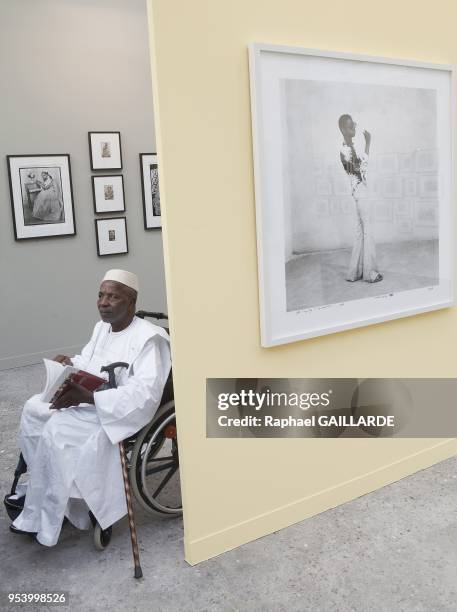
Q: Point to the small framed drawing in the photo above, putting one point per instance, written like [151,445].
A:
[41,196]
[323,187]
[403,208]
[111,235]
[428,186]
[427,161]
[382,211]
[426,213]
[150,189]
[322,207]
[406,162]
[108,193]
[392,187]
[387,163]
[410,186]
[105,150]
[309,105]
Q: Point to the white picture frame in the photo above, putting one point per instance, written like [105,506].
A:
[108,193]
[272,67]
[41,196]
[149,170]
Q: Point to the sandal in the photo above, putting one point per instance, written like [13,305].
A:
[379,277]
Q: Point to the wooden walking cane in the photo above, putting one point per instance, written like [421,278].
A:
[125,474]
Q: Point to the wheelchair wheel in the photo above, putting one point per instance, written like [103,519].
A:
[102,537]
[154,465]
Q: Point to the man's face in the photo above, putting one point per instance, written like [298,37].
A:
[115,303]
[349,127]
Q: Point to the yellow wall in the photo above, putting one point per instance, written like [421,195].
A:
[236,490]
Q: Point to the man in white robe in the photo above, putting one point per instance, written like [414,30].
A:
[72,451]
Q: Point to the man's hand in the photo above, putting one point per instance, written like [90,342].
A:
[73,394]
[63,359]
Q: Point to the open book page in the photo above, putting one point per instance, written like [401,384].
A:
[56,374]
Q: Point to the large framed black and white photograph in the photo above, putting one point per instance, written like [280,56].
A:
[111,236]
[353,188]
[108,193]
[41,196]
[105,150]
[150,188]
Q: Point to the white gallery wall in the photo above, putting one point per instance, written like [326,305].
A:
[69,67]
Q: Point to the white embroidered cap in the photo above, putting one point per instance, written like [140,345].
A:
[124,277]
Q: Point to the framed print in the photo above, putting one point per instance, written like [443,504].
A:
[392,187]
[382,211]
[322,207]
[410,186]
[105,150]
[388,163]
[346,206]
[323,187]
[406,162]
[428,186]
[41,196]
[150,189]
[403,208]
[404,226]
[111,235]
[108,193]
[374,187]
[322,272]
[426,213]
[341,186]
[427,161]
[335,207]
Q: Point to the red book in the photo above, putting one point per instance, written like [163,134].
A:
[85,379]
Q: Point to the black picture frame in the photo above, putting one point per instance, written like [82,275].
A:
[95,164]
[22,197]
[98,222]
[151,221]
[98,177]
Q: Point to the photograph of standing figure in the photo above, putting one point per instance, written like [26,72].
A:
[360,203]
[363,259]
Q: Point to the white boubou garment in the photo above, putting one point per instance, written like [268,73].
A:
[72,454]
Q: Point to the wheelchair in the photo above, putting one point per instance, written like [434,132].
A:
[152,461]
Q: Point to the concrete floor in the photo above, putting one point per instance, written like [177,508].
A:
[317,279]
[393,550]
